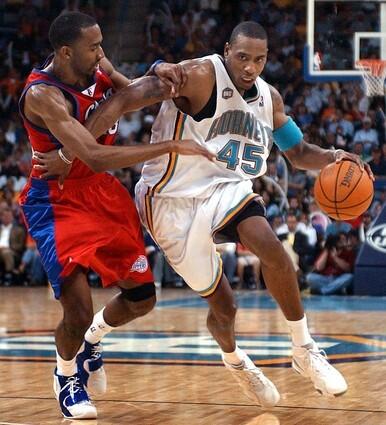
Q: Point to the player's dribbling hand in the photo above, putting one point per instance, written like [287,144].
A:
[341,155]
[190,147]
[172,75]
[51,165]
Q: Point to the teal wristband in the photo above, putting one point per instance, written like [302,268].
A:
[288,135]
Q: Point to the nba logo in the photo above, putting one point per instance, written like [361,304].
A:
[261,101]
[227,93]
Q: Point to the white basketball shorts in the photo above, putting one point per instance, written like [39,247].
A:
[184,227]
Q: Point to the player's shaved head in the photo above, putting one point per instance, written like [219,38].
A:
[248,29]
[67,28]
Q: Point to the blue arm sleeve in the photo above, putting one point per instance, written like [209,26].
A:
[288,135]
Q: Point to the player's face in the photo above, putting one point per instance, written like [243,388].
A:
[245,59]
[87,51]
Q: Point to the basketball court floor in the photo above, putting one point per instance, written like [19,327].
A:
[166,369]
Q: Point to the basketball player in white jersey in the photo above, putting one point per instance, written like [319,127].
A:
[188,202]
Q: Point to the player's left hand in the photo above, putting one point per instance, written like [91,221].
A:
[51,165]
[341,155]
[172,75]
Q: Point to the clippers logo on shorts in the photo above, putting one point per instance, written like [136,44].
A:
[140,265]
[227,93]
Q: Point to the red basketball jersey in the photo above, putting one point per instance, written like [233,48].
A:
[84,102]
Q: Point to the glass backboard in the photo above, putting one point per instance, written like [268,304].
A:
[341,32]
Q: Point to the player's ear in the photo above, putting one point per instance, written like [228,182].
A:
[65,51]
[226,49]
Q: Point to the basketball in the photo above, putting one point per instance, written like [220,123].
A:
[343,191]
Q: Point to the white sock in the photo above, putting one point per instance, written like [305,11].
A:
[98,329]
[65,367]
[299,332]
[234,358]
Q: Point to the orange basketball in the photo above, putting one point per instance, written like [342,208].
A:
[343,191]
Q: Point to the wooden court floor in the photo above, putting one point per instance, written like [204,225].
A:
[165,368]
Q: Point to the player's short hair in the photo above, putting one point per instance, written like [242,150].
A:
[248,29]
[66,28]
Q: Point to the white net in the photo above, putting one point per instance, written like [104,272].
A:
[374,73]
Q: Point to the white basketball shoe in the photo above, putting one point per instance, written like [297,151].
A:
[255,385]
[312,363]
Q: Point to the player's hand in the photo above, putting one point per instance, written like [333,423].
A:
[172,75]
[341,155]
[51,165]
[190,147]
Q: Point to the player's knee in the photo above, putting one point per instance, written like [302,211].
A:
[141,308]
[142,299]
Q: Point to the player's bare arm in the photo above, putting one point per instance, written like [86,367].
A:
[119,80]
[196,92]
[149,90]
[172,75]
[305,155]
[193,96]
[49,105]
[142,92]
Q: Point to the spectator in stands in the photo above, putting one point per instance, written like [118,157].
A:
[312,100]
[296,244]
[297,180]
[333,272]
[358,149]
[248,268]
[378,162]
[367,222]
[338,120]
[366,135]
[12,244]
[274,68]
[304,225]
[229,260]
[31,270]
[336,227]
[353,241]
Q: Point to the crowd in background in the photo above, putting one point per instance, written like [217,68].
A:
[331,115]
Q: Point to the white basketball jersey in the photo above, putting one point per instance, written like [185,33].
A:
[239,133]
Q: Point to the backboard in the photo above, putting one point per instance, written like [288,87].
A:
[339,32]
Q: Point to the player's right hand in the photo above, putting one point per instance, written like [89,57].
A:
[190,147]
[172,75]
[51,165]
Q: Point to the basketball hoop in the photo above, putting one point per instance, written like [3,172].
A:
[373,73]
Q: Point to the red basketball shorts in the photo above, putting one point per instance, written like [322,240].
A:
[91,222]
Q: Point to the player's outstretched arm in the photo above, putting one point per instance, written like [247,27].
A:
[301,154]
[49,104]
[141,92]
[172,75]
[197,81]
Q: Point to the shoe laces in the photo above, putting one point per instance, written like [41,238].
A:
[73,385]
[254,376]
[318,360]
[96,351]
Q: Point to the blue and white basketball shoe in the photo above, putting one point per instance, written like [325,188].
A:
[90,368]
[73,399]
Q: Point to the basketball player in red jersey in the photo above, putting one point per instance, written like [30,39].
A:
[90,221]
